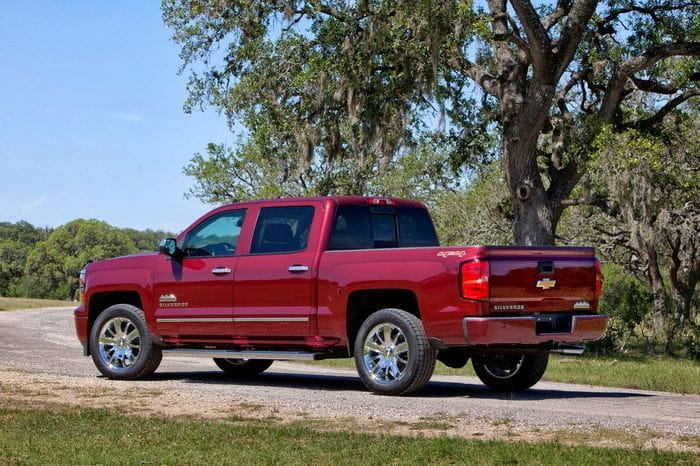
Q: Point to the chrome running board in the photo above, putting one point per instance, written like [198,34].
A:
[250,354]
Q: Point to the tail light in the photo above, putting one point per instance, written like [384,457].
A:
[475,279]
[598,279]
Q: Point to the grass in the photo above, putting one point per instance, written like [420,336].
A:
[89,436]
[10,304]
[641,372]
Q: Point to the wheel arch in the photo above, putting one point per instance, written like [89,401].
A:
[362,303]
[99,301]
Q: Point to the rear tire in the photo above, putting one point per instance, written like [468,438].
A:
[510,372]
[120,344]
[392,353]
[243,367]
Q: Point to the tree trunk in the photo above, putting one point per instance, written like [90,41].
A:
[657,288]
[534,216]
[534,219]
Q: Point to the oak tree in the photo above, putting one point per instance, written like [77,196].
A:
[330,93]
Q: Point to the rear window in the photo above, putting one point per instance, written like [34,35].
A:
[373,227]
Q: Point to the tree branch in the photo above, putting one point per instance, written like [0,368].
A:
[614,92]
[536,34]
[477,74]
[522,45]
[562,9]
[567,44]
[651,11]
[663,111]
[650,85]
[658,53]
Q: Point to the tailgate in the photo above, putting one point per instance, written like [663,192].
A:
[531,279]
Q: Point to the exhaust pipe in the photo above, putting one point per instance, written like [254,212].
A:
[571,350]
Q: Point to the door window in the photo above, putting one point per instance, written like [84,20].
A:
[216,236]
[282,229]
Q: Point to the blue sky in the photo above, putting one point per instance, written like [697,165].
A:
[91,123]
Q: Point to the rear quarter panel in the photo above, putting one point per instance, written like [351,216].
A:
[432,274]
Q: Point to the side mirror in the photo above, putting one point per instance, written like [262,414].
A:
[168,246]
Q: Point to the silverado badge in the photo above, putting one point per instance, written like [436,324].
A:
[546,283]
[168,298]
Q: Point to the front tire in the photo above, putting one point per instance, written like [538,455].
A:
[120,344]
[512,373]
[243,367]
[392,353]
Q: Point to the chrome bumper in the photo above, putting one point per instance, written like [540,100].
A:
[522,330]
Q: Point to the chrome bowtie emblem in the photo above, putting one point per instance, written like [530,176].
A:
[546,283]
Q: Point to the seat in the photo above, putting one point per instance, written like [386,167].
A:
[278,237]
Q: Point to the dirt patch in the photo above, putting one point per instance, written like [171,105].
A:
[158,399]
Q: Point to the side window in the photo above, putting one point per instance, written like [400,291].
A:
[416,228]
[352,229]
[372,227]
[216,236]
[282,229]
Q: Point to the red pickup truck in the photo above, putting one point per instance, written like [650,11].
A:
[337,277]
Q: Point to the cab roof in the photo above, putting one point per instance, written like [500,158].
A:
[338,200]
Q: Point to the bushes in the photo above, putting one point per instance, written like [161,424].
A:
[43,263]
[628,301]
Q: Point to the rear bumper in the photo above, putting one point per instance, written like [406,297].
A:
[522,330]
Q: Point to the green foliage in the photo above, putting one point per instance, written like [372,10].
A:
[331,98]
[647,184]
[16,241]
[44,263]
[52,268]
[146,240]
[478,214]
[23,232]
[13,255]
[340,97]
[625,297]
[628,301]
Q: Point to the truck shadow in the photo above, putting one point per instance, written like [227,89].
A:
[435,389]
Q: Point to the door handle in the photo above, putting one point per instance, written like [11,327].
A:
[298,268]
[221,271]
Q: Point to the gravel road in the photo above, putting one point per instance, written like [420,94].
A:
[39,348]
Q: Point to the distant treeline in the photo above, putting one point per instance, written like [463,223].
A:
[41,262]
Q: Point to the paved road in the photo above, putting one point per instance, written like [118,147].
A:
[43,343]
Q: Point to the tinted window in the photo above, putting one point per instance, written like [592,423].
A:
[282,229]
[352,229]
[416,228]
[365,227]
[216,236]
[384,230]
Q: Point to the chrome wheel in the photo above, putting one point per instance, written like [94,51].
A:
[119,343]
[386,353]
[504,367]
